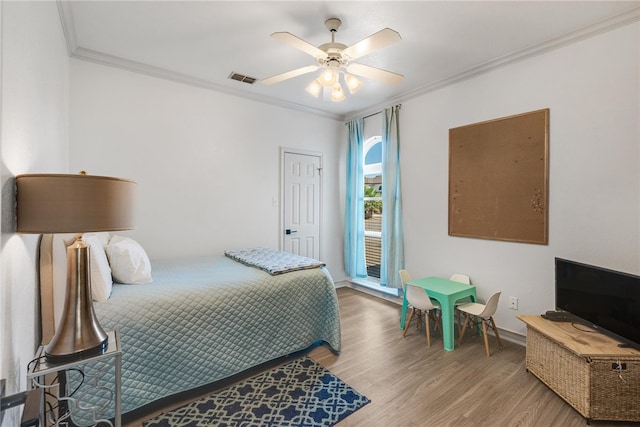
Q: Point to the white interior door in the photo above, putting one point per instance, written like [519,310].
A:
[301,199]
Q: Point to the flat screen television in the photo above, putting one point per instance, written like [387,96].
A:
[603,299]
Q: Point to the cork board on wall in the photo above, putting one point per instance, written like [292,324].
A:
[498,179]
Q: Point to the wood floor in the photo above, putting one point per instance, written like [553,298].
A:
[412,385]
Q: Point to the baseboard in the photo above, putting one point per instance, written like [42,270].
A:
[505,334]
[513,337]
[369,291]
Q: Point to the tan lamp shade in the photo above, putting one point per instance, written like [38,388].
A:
[61,203]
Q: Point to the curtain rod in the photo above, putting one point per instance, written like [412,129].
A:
[377,112]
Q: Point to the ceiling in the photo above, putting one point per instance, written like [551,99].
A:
[203,42]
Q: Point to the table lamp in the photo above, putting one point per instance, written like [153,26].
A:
[63,203]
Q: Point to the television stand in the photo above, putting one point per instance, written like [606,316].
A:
[587,369]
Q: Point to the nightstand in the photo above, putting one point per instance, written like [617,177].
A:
[89,389]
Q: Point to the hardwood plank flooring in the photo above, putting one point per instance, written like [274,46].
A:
[412,385]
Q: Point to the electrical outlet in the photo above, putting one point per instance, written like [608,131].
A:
[513,303]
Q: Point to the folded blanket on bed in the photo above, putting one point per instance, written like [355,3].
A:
[272,261]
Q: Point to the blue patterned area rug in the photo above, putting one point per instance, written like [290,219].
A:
[298,393]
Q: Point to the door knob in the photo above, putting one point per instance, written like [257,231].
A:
[290,231]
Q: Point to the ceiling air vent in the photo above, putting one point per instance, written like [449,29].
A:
[242,78]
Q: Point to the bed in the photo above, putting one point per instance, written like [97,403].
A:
[203,319]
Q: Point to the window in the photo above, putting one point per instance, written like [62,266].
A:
[373,205]
[373,253]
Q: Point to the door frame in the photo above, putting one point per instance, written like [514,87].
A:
[281,227]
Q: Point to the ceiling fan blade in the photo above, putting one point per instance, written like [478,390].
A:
[375,73]
[382,38]
[300,44]
[289,74]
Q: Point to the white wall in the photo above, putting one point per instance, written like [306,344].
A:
[207,164]
[592,89]
[34,138]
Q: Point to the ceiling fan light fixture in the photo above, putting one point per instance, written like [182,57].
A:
[334,59]
[353,83]
[314,88]
[337,94]
[329,77]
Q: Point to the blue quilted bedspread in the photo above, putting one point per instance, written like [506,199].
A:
[272,261]
[205,319]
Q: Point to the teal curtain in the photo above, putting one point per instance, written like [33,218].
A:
[354,262]
[392,228]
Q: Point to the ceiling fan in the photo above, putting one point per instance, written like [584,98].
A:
[335,59]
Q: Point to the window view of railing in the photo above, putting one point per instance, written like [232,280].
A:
[372,225]
[373,206]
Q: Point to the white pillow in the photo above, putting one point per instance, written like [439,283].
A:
[129,262]
[102,236]
[101,280]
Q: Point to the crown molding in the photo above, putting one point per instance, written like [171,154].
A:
[74,51]
[68,27]
[600,27]
[162,73]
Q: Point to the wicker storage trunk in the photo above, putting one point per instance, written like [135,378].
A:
[598,386]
